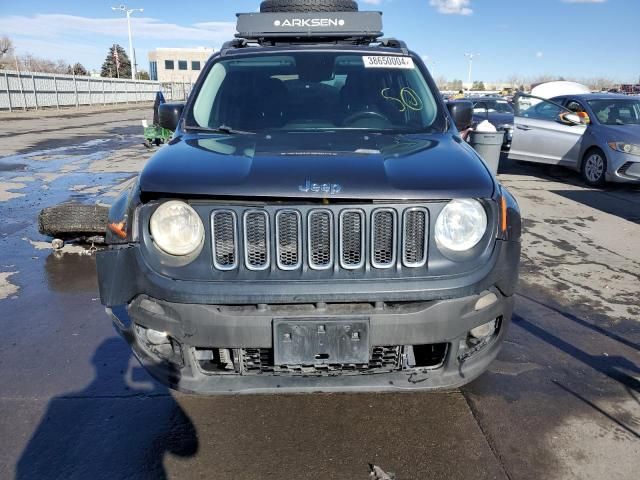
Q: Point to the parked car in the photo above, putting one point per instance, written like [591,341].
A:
[316,223]
[596,134]
[499,112]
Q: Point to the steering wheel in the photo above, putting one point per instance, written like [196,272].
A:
[351,119]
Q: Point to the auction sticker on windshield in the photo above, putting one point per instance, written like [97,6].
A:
[380,61]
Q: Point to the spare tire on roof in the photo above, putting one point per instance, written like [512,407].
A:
[273,6]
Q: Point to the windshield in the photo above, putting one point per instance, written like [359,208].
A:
[498,106]
[617,111]
[316,91]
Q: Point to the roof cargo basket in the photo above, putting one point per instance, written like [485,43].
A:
[360,27]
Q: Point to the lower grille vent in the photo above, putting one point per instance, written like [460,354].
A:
[260,360]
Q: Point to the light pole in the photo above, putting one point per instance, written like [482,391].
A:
[470,56]
[128,12]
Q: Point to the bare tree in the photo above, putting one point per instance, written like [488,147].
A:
[516,80]
[599,83]
[31,63]
[6,51]
[441,81]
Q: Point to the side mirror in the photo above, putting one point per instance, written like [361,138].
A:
[569,118]
[170,114]
[156,107]
[585,117]
[462,113]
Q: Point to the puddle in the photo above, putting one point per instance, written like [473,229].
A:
[7,191]
[7,289]
[11,167]
[68,248]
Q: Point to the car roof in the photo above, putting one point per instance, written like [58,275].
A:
[595,96]
[258,49]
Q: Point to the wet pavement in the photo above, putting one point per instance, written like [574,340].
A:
[562,400]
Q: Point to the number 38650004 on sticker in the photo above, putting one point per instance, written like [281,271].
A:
[384,61]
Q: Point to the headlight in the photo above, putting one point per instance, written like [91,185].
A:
[460,225]
[629,148]
[176,228]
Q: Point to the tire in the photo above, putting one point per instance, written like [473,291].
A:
[70,220]
[594,168]
[275,6]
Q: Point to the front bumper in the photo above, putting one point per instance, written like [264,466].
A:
[403,314]
[623,167]
[215,326]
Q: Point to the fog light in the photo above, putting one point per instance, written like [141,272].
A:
[486,300]
[156,337]
[484,331]
[160,344]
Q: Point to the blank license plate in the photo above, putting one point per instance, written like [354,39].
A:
[320,341]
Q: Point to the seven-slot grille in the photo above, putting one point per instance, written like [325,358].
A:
[321,237]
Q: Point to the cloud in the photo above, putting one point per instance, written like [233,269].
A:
[84,39]
[452,7]
[61,26]
[372,2]
[539,54]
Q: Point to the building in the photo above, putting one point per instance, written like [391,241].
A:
[177,65]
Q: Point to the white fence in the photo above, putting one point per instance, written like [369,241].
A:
[28,90]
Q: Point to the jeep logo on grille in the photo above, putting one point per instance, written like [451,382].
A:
[330,188]
[309,22]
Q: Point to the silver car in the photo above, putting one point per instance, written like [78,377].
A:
[595,134]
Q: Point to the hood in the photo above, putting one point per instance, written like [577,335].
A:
[318,165]
[620,133]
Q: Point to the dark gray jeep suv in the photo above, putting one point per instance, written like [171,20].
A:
[316,223]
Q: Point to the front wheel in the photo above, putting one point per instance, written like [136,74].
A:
[594,168]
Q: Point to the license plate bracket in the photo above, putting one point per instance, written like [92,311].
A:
[320,341]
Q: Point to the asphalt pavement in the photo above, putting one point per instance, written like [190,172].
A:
[561,402]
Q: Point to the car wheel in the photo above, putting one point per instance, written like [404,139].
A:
[274,6]
[594,168]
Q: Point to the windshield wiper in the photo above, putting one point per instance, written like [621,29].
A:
[220,129]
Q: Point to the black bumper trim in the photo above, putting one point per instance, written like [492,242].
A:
[123,275]
[415,324]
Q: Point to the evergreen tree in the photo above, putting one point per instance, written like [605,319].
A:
[123,67]
[78,70]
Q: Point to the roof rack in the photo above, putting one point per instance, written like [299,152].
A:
[357,27]
[394,43]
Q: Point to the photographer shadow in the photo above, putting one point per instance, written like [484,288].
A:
[114,428]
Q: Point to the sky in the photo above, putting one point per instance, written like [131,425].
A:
[527,38]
